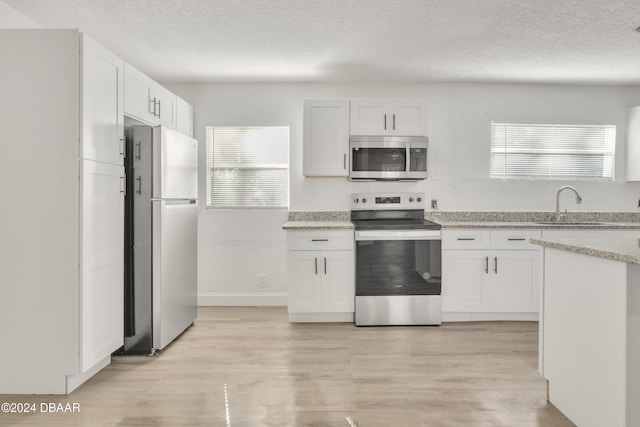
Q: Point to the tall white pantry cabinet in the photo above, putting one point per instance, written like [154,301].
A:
[62,185]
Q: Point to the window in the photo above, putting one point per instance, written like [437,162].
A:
[248,167]
[544,151]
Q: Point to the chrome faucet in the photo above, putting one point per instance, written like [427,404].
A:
[563,216]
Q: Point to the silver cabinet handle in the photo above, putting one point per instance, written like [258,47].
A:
[123,185]
[516,239]
[325,265]
[122,146]
[466,238]
[486,264]
[139,179]
[344,161]
[139,146]
[495,265]
[159,107]
[385,122]
[316,262]
[319,240]
[153,101]
[394,121]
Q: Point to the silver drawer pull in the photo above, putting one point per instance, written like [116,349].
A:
[518,239]
[466,238]
[319,240]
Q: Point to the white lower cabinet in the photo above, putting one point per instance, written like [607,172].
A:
[321,276]
[102,293]
[490,275]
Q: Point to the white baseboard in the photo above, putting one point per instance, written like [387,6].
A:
[484,317]
[320,317]
[243,299]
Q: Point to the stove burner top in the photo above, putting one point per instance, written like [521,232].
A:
[394,224]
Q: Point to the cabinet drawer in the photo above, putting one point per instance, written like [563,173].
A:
[320,240]
[466,239]
[514,239]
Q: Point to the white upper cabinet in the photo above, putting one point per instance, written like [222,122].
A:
[633,144]
[326,138]
[148,101]
[102,92]
[139,102]
[184,117]
[389,116]
[165,107]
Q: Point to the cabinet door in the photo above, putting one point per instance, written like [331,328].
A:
[102,104]
[304,292]
[408,117]
[514,281]
[139,101]
[102,268]
[338,281]
[369,117]
[463,276]
[633,144]
[389,116]
[165,107]
[184,117]
[326,138]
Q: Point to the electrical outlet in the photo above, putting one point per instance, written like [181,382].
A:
[262,280]
[434,204]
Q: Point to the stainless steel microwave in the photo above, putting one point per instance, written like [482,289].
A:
[392,158]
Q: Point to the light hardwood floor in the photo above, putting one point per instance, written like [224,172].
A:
[250,367]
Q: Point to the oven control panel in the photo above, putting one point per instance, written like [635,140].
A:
[386,201]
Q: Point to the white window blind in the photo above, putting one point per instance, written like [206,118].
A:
[248,167]
[552,151]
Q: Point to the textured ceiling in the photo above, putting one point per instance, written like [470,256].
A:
[547,41]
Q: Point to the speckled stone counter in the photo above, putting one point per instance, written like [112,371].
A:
[339,220]
[536,220]
[625,250]
[541,225]
[317,225]
[330,220]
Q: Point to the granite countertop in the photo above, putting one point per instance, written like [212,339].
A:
[625,250]
[540,225]
[317,225]
[339,220]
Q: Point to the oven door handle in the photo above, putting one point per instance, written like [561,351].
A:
[398,235]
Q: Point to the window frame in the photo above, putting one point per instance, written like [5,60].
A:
[210,168]
[608,151]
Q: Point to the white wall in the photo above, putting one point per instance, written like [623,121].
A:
[237,246]
[11,18]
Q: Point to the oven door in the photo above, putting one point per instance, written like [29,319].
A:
[398,277]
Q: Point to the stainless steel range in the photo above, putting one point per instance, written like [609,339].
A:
[398,260]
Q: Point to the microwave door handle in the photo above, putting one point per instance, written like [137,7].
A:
[407,168]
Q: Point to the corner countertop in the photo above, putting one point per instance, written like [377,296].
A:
[625,249]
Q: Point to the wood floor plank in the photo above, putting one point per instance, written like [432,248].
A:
[248,366]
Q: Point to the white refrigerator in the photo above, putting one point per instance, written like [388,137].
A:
[160,232]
